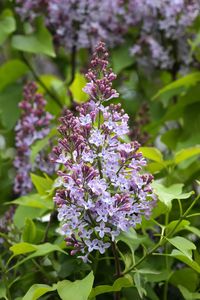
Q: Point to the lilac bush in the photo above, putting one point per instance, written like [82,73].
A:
[79,24]
[163,37]
[102,190]
[32,126]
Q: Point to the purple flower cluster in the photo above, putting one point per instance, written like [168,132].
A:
[6,222]
[163,36]
[79,23]
[30,9]
[163,25]
[101,190]
[142,118]
[32,126]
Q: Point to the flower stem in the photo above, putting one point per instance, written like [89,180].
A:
[37,78]
[73,65]
[5,280]
[72,77]
[165,290]
[117,268]
[52,216]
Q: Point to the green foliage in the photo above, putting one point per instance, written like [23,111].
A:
[42,185]
[29,231]
[77,290]
[41,144]
[7,25]
[188,295]
[152,154]
[119,283]
[11,71]
[2,291]
[38,250]
[118,63]
[186,153]
[183,245]
[187,81]
[76,88]
[167,194]
[9,111]
[38,42]
[35,200]
[37,290]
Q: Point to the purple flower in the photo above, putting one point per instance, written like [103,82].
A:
[96,137]
[6,224]
[32,126]
[163,31]
[104,194]
[79,23]
[102,230]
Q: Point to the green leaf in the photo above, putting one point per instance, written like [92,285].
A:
[152,153]
[3,291]
[22,248]
[10,71]
[23,212]
[9,99]
[194,230]
[42,185]
[131,239]
[121,59]
[185,259]
[57,86]
[39,42]
[76,88]
[77,290]
[167,194]
[40,144]
[29,232]
[170,137]
[182,226]
[188,295]
[186,153]
[148,271]
[38,290]
[154,167]
[7,25]
[187,81]
[163,275]
[123,282]
[38,250]
[186,277]
[138,284]
[35,201]
[182,244]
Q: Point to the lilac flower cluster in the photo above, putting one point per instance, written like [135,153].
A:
[163,25]
[79,23]
[163,36]
[101,190]
[141,119]
[6,222]
[30,9]
[32,126]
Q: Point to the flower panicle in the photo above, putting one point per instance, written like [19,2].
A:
[101,190]
[33,125]
[100,76]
